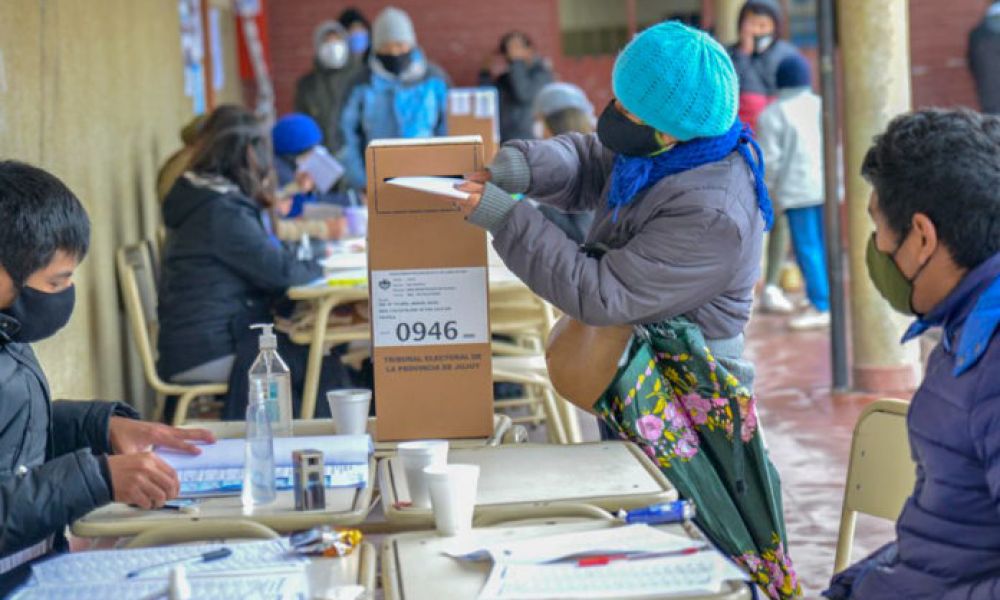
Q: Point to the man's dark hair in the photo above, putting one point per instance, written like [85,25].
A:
[222,149]
[944,164]
[510,35]
[39,216]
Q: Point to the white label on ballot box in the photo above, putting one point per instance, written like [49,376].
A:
[429,307]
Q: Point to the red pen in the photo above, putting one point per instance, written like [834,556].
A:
[601,560]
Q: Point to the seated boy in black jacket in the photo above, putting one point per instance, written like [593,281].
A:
[58,460]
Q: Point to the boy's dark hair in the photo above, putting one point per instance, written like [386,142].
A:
[222,149]
[944,164]
[510,35]
[39,216]
[569,120]
[352,15]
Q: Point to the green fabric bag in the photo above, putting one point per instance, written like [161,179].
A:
[699,423]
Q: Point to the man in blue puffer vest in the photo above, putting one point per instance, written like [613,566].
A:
[402,95]
[935,254]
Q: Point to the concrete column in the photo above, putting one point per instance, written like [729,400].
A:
[726,13]
[874,46]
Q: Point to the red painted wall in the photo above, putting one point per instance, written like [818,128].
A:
[458,35]
[939,34]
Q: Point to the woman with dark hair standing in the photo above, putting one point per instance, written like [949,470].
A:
[222,270]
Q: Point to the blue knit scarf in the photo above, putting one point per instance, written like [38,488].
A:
[633,175]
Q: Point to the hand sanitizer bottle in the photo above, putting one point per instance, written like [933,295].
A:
[273,374]
[259,486]
[305,251]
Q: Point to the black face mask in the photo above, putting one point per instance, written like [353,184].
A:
[395,63]
[41,314]
[621,135]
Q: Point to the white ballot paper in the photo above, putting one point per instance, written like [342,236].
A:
[442,186]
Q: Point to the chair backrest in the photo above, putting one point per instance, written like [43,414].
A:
[881,473]
[139,294]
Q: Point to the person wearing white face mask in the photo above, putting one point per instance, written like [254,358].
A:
[322,92]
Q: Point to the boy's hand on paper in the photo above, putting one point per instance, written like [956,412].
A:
[142,480]
[475,191]
[305,182]
[129,436]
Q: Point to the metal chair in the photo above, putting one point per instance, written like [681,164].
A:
[138,288]
[881,473]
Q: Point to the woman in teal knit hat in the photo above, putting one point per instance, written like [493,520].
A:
[676,183]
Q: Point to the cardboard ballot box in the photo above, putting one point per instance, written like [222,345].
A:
[429,296]
[473,111]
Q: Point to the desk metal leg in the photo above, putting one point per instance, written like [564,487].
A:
[570,421]
[311,387]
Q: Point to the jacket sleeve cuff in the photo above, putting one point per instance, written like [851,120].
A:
[494,207]
[510,170]
[102,464]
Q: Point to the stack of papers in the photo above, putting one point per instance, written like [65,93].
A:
[635,561]
[218,470]
[254,570]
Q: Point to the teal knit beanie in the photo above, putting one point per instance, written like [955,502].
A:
[678,80]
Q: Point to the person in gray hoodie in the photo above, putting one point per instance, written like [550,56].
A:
[679,214]
[322,92]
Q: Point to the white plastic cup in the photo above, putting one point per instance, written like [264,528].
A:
[357,220]
[416,457]
[349,409]
[453,496]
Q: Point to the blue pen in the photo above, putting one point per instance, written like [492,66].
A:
[203,557]
[668,512]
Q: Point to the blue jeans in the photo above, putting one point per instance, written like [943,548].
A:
[810,252]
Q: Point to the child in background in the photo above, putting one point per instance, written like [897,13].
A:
[402,96]
[563,108]
[294,136]
[756,58]
[790,135]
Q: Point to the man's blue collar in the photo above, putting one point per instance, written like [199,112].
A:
[973,306]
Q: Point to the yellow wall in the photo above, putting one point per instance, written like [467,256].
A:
[92,91]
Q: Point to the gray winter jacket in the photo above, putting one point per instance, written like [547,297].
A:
[52,471]
[690,246]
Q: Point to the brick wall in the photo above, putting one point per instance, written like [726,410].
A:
[938,38]
[457,36]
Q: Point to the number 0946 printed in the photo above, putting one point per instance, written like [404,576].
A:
[429,307]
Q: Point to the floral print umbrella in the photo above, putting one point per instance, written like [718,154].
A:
[699,423]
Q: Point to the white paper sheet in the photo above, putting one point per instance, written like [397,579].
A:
[290,585]
[345,261]
[612,540]
[114,565]
[229,453]
[441,186]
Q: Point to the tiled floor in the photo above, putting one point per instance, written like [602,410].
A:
[809,435]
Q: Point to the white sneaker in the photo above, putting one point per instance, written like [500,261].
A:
[773,300]
[811,319]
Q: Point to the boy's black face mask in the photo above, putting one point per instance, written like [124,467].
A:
[41,314]
[395,63]
[621,135]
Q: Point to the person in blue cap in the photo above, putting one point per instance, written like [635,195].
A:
[676,181]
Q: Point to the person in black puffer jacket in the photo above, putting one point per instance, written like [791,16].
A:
[224,270]
[58,460]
